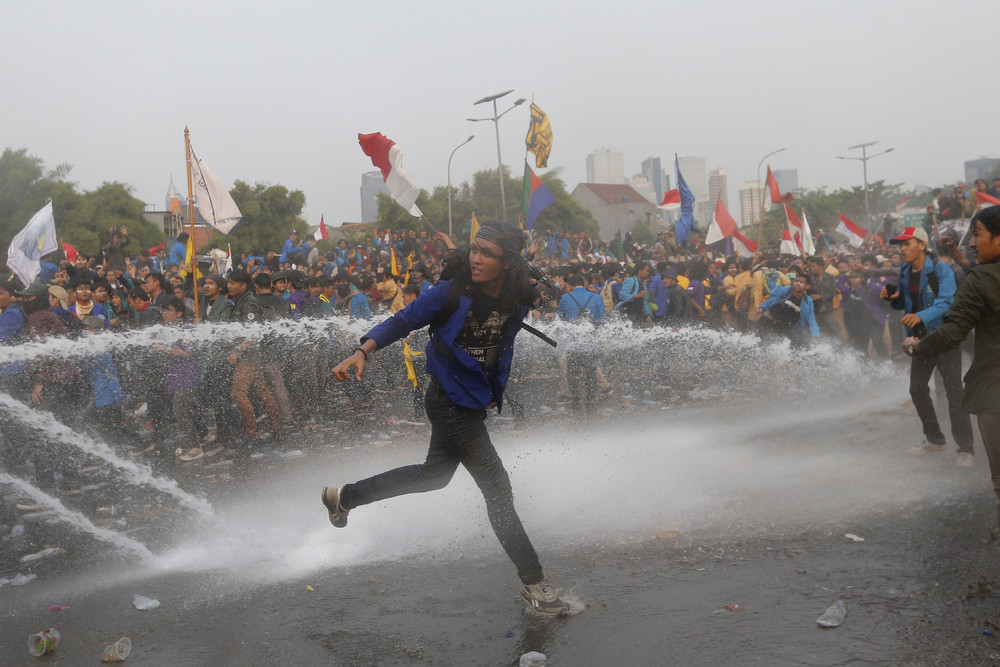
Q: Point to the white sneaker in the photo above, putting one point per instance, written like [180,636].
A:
[925,448]
[542,598]
[966,460]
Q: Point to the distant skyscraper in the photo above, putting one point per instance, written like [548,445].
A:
[788,179]
[718,184]
[372,185]
[606,165]
[693,170]
[981,168]
[750,198]
[654,174]
[642,185]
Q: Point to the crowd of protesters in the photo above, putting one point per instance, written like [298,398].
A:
[198,393]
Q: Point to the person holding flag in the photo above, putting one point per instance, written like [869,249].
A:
[474,316]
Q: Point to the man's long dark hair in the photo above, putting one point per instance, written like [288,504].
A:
[518,290]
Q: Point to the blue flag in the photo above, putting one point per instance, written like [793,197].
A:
[685,223]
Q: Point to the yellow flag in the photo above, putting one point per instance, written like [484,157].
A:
[473,228]
[539,139]
[191,260]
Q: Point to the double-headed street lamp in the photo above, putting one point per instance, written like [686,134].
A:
[496,124]
[864,162]
[471,137]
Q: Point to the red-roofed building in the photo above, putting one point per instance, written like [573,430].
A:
[616,207]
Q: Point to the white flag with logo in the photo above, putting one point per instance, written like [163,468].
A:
[215,204]
[37,239]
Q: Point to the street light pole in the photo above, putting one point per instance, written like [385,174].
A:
[449,179]
[496,124]
[864,163]
[760,225]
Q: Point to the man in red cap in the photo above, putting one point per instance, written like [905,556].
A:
[925,293]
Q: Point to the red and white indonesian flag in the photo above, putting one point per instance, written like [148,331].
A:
[387,156]
[321,232]
[986,200]
[671,200]
[788,246]
[724,226]
[797,230]
[215,205]
[855,234]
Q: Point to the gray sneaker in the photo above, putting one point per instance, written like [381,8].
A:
[542,598]
[331,498]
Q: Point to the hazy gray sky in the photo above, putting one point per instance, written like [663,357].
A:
[277,92]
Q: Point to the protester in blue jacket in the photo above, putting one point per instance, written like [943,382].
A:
[791,305]
[473,320]
[925,293]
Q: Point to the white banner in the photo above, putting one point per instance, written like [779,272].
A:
[37,239]
[215,205]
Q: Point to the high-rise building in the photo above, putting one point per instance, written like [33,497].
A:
[982,168]
[751,195]
[654,174]
[693,170]
[372,185]
[718,184]
[606,165]
[642,185]
[787,179]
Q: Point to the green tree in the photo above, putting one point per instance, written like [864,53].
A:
[642,234]
[270,212]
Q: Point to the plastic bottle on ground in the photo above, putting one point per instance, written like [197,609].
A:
[143,603]
[834,615]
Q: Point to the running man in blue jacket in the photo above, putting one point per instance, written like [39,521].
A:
[473,320]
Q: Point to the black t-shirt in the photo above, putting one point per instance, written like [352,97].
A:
[915,291]
[481,333]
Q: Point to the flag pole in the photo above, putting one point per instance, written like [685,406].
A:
[194,257]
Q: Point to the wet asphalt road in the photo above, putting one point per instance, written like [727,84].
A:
[761,514]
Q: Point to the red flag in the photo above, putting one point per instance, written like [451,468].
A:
[387,156]
[902,203]
[69,251]
[671,200]
[724,226]
[772,185]
[162,246]
[985,199]
[787,244]
[794,225]
[855,234]
[321,232]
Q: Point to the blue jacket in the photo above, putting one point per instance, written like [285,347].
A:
[659,294]
[288,249]
[460,375]
[579,298]
[807,314]
[178,251]
[932,307]
[359,308]
[104,380]
[630,287]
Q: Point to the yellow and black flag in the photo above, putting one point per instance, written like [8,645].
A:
[539,139]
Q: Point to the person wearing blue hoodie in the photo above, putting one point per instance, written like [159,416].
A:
[790,310]
[925,293]
[473,317]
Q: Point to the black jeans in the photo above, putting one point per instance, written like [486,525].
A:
[458,435]
[949,364]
